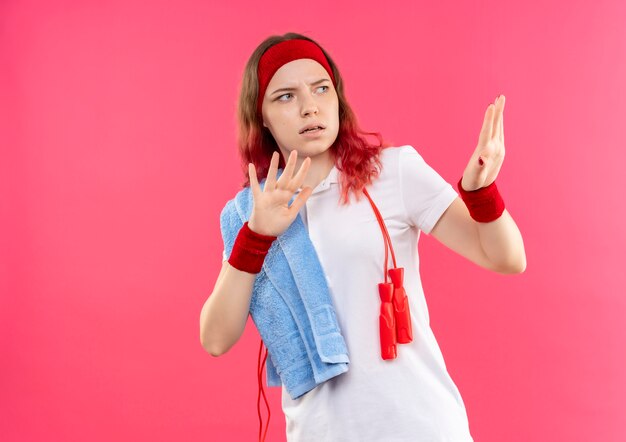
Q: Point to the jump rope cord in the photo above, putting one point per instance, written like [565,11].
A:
[261,390]
[386,237]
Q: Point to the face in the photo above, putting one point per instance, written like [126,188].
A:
[299,94]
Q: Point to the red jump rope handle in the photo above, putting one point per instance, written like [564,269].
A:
[401,311]
[387,322]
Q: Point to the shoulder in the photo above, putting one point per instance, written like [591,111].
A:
[415,173]
[228,212]
[395,153]
[396,159]
[240,198]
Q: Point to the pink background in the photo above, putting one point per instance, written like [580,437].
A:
[117,137]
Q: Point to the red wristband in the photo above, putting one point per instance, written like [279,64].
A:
[484,204]
[249,250]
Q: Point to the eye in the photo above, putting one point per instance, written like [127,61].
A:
[327,88]
[283,95]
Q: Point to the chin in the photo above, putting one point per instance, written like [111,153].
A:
[317,147]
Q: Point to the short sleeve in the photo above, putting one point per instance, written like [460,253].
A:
[224,257]
[425,194]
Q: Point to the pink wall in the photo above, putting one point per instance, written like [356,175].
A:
[117,133]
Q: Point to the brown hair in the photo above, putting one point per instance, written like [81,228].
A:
[357,159]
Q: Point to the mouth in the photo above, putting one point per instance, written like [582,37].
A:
[312,129]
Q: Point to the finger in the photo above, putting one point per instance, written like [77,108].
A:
[502,122]
[298,179]
[270,181]
[254,183]
[291,164]
[485,131]
[497,117]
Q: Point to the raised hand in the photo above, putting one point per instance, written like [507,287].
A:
[271,213]
[487,159]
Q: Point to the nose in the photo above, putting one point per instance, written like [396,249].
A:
[309,104]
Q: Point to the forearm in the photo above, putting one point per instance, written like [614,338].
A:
[225,313]
[502,242]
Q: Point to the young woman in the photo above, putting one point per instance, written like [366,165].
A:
[300,144]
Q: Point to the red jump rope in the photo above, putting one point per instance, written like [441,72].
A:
[395,317]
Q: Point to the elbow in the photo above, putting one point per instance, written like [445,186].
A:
[211,349]
[216,353]
[210,345]
[215,345]
[518,269]
[513,268]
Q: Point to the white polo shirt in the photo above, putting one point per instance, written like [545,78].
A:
[410,398]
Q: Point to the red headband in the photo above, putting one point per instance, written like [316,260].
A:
[282,53]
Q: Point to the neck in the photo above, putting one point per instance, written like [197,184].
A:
[320,167]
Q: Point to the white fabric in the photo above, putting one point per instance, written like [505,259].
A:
[412,397]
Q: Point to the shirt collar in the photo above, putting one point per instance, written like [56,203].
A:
[326,182]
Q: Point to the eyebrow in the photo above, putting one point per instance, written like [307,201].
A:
[293,88]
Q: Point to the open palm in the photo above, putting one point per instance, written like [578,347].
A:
[487,159]
[271,213]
